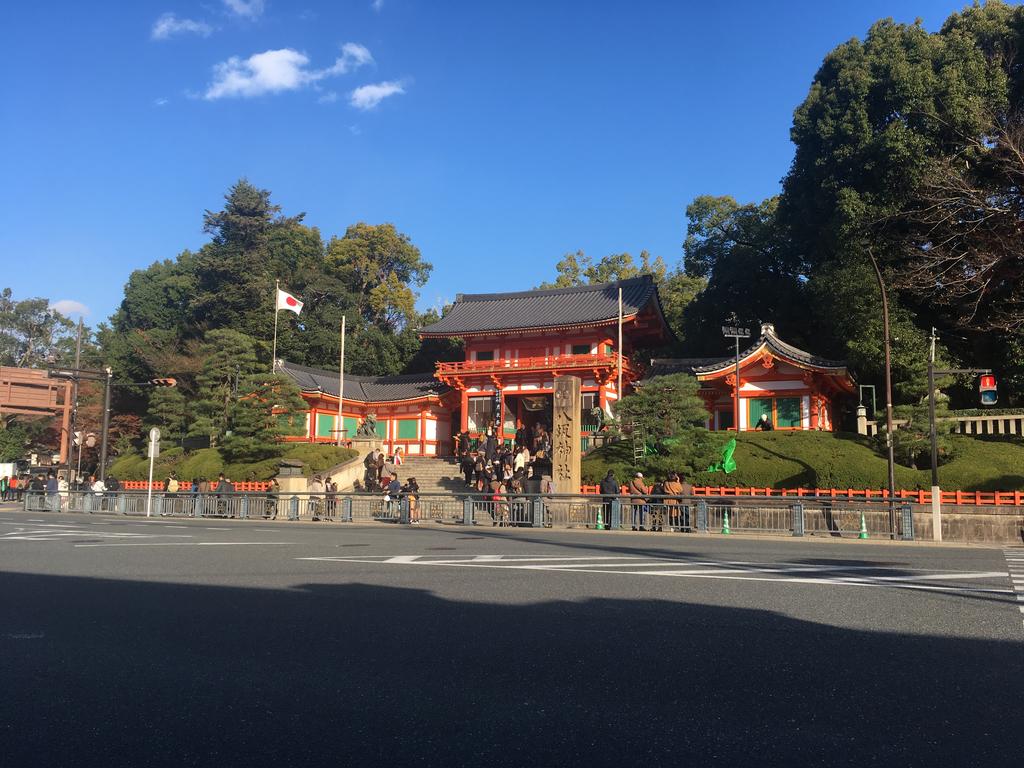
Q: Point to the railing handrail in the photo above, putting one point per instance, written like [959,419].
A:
[536,361]
[870,495]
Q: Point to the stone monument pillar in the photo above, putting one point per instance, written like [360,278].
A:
[565,435]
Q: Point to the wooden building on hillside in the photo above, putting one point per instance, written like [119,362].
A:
[795,389]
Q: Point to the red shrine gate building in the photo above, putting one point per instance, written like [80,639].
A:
[795,389]
[516,343]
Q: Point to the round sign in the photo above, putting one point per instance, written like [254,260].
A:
[154,434]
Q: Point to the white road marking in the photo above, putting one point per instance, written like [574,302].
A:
[827,575]
[188,544]
[1015,562]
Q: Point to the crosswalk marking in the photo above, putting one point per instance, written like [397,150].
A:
[1015,566]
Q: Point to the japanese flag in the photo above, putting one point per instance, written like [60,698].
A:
[287,301]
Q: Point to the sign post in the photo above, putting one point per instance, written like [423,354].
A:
[737,333]
[154,451]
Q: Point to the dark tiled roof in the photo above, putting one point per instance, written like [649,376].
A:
[698,365]
[364,389]
[668,366]
[485,312]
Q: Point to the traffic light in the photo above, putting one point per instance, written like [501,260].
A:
[987,390]
[164,382]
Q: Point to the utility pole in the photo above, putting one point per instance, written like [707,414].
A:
[888,396]
[934,432]
[341,386]
[933,435]
[618,392]
[106,425]
[74,406]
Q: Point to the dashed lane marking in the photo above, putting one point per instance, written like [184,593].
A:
[822,574]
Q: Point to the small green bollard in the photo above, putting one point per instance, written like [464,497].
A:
[725,523]
[600,521]
[863,527]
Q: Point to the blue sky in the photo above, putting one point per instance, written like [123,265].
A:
[497,135]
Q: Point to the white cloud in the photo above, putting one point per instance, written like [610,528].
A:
[354,130]
[353,56]
[169,25]
[377,4]
[328,98]
[68,307]
[369,96]
[250,9]
[160,102]
[282,70]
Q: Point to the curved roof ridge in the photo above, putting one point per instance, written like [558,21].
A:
[565,290]
[528,311]
[367,389]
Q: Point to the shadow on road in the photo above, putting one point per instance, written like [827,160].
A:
[101,672]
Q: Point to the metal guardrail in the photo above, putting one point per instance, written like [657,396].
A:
[655,513]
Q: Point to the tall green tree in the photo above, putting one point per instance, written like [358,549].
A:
[261,416]
[168,410]
[750,271]
[580,269]
[228,357]
[379,265]
[891,124]
[32,333]
[665,407]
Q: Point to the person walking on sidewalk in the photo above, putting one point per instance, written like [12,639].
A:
[638,491]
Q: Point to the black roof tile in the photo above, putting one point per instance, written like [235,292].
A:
[364,389]
[493,312]
[697,365]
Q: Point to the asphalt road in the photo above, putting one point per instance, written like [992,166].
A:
[201,642]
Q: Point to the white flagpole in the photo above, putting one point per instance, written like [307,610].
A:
[273,355]
[341,383]
[619,393]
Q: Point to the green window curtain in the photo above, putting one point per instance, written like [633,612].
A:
[324,425]
[382,428]
[757,407]
[787,410]
[408,429]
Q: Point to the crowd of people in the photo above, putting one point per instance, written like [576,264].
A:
[380,475]
[650,506]
[498,472]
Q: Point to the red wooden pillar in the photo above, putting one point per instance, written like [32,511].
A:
[464,411]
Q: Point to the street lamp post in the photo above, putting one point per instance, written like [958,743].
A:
[890,458]
[737,333]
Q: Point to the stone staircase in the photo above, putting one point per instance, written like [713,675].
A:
[434,474]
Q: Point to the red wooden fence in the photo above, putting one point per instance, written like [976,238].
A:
[973,498]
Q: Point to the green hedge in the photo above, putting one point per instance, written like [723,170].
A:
[822,460]
[209,463]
